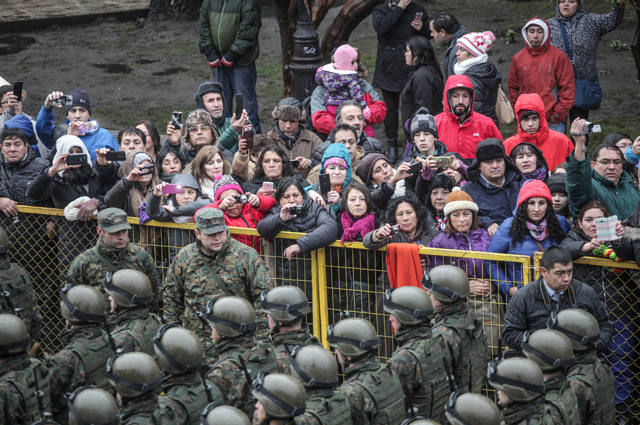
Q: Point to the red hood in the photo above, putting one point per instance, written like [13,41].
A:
[454,82]
[532,102]
[547,42]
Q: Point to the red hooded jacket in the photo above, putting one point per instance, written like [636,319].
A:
[463,137]
[555,147]
[249,219]
[545,70]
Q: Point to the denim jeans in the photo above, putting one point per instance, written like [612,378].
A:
[236,80]
[560,128]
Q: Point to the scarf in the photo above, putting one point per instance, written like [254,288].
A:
[441,222]
[412,239]
[462,67]
[539,173]
[337,188]
[539,232]
[288,140]
[353,228]
[206,187]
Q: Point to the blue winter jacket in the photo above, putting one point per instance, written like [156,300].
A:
[505,277]
[495,204]
[96,140]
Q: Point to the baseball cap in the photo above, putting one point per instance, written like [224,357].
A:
[210,220]
[113,220]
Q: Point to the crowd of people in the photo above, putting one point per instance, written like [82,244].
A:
[225,333]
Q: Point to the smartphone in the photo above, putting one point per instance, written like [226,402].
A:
[67,99]
[116,156]
[239,106]
[17,90]
[294,163]
[172,189]
[147,169]
[415,167]
[444,161]
[176,119]
[418,16]
[77,159]
[267,185]
[325,184]
[87,127]
[247,134]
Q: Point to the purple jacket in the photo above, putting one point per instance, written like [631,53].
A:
[474,240]
[339,86]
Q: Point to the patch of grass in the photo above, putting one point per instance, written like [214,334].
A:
[185,46]
[120,114]
[268,89]
[369,60]
[269,70]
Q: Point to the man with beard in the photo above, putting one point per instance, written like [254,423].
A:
[459,127]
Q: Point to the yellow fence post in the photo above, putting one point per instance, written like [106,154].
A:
[321,305]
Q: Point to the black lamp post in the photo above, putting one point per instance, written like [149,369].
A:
[306,53]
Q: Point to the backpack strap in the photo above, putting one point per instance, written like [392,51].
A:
[108,264]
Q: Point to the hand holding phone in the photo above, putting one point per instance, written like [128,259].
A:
[67,99]
[116,156]
[325,184]
[294,163]
[444,161]
[418,16]
[17,90]
[176,119]
[247,135]
[415,167]
[77,159]
[267,185]
[171,189]
[239,106]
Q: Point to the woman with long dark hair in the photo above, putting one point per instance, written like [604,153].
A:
[425,86]
[534,228]
[153,137]
[530,161]
[273,165]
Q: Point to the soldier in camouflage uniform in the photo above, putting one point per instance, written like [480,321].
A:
[87,347]
[112,252]
[382,403]
[590,377]
[552,351]
[317,369]
[16,291]
[471,409]
[421,359]
[93,405]
[130,295]
[520,386]
[19,402]
[286,307]
[217,414]
[180,356]
[281,398]
[233,322]
[448,287]
[213,267]
[135,376]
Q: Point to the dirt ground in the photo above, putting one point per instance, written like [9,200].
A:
[143,69]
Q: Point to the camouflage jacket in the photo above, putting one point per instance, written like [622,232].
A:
[22,295]
[13,409]
[309,418]
[68,372]
[285,342]
[583,378]
[89,269]
[189,286]
[529,413]
[145,410]
[559,384]
[125,340]
[229,377]
[171,386]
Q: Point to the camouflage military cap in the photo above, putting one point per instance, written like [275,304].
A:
[210,221]
[113,220]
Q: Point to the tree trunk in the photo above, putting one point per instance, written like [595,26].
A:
[176,10]
[635,45]
[319,11]
[347,20]
[282,8]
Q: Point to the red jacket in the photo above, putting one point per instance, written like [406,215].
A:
[324,120]
[249,219]
[555,147]
[545,70]
[464,137]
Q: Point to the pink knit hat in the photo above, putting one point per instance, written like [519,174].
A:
[533,189]
[343,57]
[335,161]
[223,183]
[476,43]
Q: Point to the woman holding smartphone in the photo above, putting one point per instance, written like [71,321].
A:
[273,165]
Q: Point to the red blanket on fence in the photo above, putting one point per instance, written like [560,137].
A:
[403,265]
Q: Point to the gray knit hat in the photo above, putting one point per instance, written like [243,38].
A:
[423,121]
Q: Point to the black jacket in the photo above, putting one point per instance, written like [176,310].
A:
[44,187]
[15,179]
[369,144]
[495,204]
[393,27]
[485,78]
[527,312]
[425,88]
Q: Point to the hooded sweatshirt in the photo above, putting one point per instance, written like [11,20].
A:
[335,150]
[545,70]
[555,147]
[463,137]
[584,31]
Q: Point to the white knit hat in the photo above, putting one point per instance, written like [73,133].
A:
[459,200]
[476,43]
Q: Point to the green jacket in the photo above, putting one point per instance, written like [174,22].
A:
[584,185]
[231,27]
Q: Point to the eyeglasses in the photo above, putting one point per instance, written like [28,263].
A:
[607,162]
[200,128]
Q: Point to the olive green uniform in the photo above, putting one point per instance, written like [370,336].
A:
[18,400]
[16,291]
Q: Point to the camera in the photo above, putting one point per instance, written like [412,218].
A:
[415,167]
[395,229]
[591,128]
[241,199]
[147,169]
[297,210]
